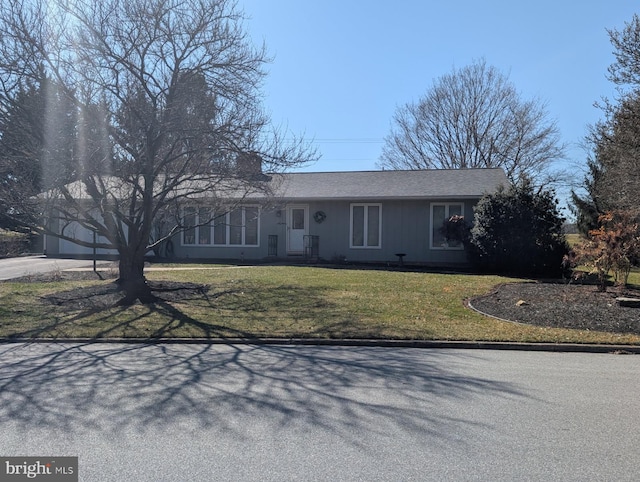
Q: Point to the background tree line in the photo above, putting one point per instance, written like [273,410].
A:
[613,179]
[608,213]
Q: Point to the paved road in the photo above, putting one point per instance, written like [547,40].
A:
[274,413]
[29,265]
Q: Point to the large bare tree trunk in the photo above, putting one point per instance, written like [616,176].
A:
[131,278]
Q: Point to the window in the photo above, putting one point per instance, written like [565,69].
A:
[234,227]
[197,223]
[204,232]
[366,225]
[439,214]
[238,227]
[297,218]
[189,220]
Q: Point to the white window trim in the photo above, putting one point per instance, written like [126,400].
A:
[365,227]
[447,215]
[227,225]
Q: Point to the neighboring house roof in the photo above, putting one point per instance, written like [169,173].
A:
[423,184]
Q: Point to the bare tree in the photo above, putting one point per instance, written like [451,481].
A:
[167,99]
[474,118]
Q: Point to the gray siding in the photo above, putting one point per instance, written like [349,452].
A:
[405,229]
[405,197]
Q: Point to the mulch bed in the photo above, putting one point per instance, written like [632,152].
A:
[560,305]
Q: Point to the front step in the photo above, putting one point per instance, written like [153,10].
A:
[628,302]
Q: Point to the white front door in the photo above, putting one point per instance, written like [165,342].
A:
[297,228]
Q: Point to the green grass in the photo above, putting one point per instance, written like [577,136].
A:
[574,239]
[289,302]
[634,278]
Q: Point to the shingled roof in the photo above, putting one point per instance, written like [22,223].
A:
[423,184]
[346,185]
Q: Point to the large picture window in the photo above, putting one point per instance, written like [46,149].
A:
[239,227]
[441,212]
[366,225]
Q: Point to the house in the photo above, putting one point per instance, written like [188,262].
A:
[370,216]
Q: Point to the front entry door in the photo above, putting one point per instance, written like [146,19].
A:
[297,228]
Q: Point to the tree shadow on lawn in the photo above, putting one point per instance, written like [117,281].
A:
[180,389]
[104,319]
[278,312]
[244,312]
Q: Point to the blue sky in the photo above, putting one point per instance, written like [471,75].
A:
[341,68]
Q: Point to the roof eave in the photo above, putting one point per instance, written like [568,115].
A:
[377,198]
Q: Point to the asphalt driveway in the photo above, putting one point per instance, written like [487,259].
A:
[29,265]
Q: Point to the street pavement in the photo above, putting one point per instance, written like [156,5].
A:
[11,268]
[172,412]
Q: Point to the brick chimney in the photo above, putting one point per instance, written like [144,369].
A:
[249,166]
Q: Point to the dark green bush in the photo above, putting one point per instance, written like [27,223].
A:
[518,232]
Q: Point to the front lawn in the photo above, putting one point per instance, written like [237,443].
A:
[285,302]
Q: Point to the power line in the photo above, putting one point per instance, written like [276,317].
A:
[352,140]
[344,140]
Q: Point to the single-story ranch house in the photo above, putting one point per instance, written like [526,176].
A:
[369,216]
